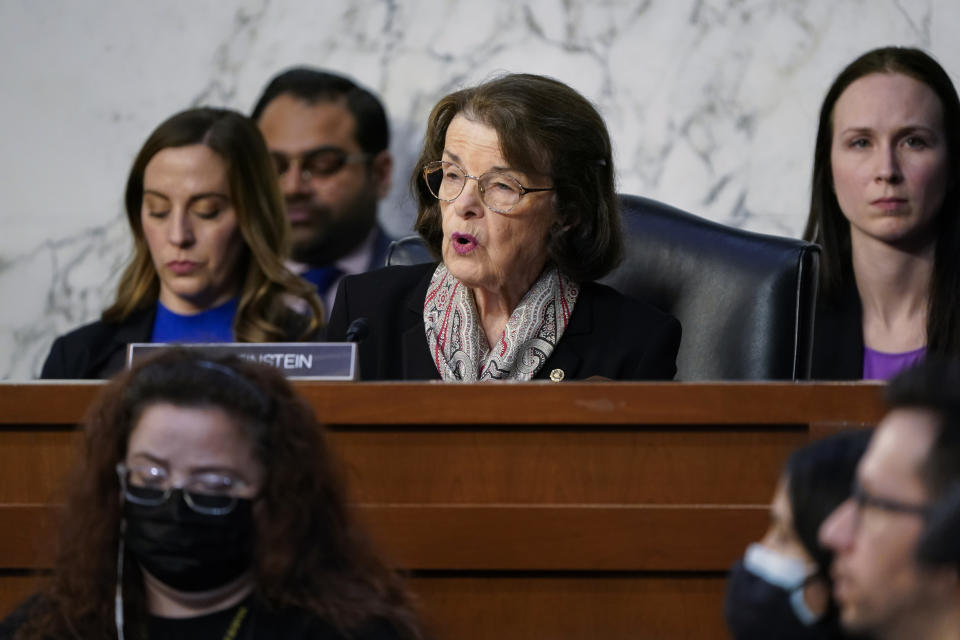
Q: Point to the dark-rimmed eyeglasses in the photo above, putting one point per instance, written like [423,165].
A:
[499,191]
[209,493]
[318,162]
[862,499]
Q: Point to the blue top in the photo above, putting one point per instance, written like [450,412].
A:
[212,325]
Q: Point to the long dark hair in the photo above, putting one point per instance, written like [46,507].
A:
[263,312]
[827,226]
[310,553]
[819,478]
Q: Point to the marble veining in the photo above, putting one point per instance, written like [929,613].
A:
[712,104]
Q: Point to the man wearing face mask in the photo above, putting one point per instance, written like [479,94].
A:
[781,588]
[329,139]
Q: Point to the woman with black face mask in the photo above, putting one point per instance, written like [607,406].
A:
[781,588]
[207,506]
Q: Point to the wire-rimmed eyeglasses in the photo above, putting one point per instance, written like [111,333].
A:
[209,493]
[862,499]
[317,162]
[499,191]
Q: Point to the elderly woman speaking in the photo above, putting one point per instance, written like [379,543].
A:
[515,192]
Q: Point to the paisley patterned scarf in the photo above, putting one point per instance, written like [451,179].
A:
[459,346]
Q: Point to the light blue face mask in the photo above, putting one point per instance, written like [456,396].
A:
[786,572]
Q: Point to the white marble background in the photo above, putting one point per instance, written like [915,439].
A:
[712,104]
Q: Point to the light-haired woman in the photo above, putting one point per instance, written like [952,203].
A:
[210,235]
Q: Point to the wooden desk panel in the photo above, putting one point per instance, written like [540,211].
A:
[570,403]
[551,607]
[502,538]
[539,465]
[35,461]
[536,510]
[679,465]
[15,587]
[574,607]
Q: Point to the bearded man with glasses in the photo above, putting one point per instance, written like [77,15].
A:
[329,140]
[913,459]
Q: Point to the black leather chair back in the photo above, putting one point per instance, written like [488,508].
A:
[408,250]
[745,300]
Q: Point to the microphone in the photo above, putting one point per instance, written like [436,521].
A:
[358,330]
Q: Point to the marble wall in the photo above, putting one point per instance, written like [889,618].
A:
[712,104]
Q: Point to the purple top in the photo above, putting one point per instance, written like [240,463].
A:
[878,365]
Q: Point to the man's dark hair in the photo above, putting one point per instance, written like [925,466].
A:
[938,543]
[934,385]
[313,85]
[819,476]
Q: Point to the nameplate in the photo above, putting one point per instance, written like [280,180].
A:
[298,360]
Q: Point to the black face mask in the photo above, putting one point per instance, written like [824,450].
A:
[186,550]
[755,608]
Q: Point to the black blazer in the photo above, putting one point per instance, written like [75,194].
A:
[609,334]
[98,349]
[838,338]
